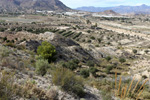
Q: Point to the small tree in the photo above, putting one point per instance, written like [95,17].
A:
[47,51]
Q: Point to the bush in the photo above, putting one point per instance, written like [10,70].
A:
[146,51]
[89,31]
[108,69]
[10,45]
[93,38]
[2,29]
[4,52]
[47,51]
[6,86]
[99,40]
[7,41]
[134,51]
[108,58]
[89,41]
[83,40]
[4,38]
[76,61]
[93,71]
[72,64]
[84,73]
[42,66]
[90,63]
[68,81]
[122,60]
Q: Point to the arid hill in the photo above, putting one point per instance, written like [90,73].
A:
[31,5]
[109,12]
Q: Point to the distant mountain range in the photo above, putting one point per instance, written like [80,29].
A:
[31,5]
[143,9]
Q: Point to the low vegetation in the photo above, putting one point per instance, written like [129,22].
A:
[68,81]
[88,56]
[72,64]
[42,66]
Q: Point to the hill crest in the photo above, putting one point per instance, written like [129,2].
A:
[32,5]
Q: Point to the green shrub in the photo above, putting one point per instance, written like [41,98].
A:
[134,51]
[99,40]
[2,29]
[6,86]
[72,64]
[12,29]
[146,51]
[12,41]
[122,60]
[84,73]
[109,68]
[89,31]
[83,40]
[89,41]
[97,45]
[108,58]
[7,41]
[93,71]
[42,66]
[47,51]
[33,23]
[4,38]
[68,81]
[93,38]
[4,51]
[90,63]
[21,47]
[10,45]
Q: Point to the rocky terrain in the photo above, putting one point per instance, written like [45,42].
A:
[69,57]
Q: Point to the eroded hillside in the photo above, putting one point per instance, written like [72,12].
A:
[66,57]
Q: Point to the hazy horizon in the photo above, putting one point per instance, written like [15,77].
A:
[106,3]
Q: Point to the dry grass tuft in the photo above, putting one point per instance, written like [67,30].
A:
[125,92]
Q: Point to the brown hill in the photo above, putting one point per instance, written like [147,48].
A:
[31,5]
[109,12]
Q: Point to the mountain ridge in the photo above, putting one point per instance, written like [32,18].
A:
[142,9]
[32,5]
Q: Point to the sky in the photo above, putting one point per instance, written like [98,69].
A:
[103,3]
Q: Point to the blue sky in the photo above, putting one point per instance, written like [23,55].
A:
[103,3]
